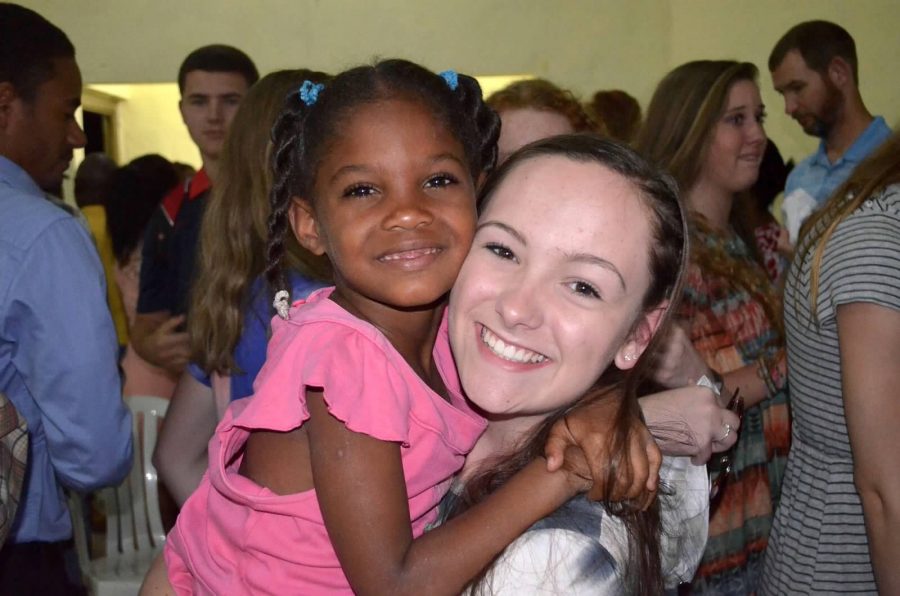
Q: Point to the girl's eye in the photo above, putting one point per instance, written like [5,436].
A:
[736,119]
[441,181]
[761,117]
[583,288]
[359,191]
[501,251]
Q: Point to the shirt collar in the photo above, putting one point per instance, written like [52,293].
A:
[864,143]
[199,184]
[860,148]
[193,188]
[13,175]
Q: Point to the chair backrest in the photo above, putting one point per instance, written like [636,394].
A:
[133,521]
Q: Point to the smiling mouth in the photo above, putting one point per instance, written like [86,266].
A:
[509,352]
[409,255]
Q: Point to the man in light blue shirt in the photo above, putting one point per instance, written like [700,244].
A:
[814,67]
[58,348]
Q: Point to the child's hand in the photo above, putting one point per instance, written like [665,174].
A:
[581,443]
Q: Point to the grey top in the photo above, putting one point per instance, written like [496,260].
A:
[818,543]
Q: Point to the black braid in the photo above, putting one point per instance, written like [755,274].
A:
[485,122]
[301,134]
[287,147]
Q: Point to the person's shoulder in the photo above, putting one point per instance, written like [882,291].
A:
[318,320]
[882,205]
[572,551]
[888,200]
[318,311]
[880,130]
[26,217]
[799,172]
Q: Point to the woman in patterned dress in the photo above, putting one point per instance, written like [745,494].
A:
[704,125]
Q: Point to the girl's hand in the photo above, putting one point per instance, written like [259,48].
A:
[678,364]
[689,421]
[580,443]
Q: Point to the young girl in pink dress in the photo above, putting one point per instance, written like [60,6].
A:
[325,480]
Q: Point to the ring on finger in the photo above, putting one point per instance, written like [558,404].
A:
[727,428]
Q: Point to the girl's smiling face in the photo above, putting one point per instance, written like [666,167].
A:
[552,288]
[393,206]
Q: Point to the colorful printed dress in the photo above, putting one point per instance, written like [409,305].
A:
[730,329]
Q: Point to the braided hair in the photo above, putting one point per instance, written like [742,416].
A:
[302,134]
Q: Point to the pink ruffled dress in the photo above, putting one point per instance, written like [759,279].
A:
[234,536]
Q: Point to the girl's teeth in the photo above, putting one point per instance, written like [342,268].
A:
[508,351]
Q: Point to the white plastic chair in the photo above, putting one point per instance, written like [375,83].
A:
[134,529]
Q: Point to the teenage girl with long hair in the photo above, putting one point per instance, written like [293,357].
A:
[837,528]
[704,125]
[231,303]
[576,263]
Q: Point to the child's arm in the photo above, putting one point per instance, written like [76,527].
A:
[361,490]
[589,428]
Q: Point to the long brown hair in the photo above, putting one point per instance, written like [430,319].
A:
[676,136]
[232,252]
[879,171]
[667,257]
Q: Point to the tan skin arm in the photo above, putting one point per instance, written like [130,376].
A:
[681,365]
[156,339]
[180,455]
[869,338]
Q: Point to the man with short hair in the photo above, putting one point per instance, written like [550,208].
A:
[58,348]
[814,68]
[212,80]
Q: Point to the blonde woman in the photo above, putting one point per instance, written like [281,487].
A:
[837,528]
[231,306]
[704,125]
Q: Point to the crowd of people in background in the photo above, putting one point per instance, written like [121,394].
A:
[419,340]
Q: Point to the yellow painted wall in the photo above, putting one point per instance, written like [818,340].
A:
[582,44]
[747,30]
[148,121]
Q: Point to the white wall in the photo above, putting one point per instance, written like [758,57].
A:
[582,44]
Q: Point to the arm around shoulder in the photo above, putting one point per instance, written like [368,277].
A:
[360,485]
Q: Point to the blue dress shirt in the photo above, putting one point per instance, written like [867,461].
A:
[820,178]
[58,357]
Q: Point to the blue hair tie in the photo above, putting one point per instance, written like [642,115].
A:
[451,78]
[309,92]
